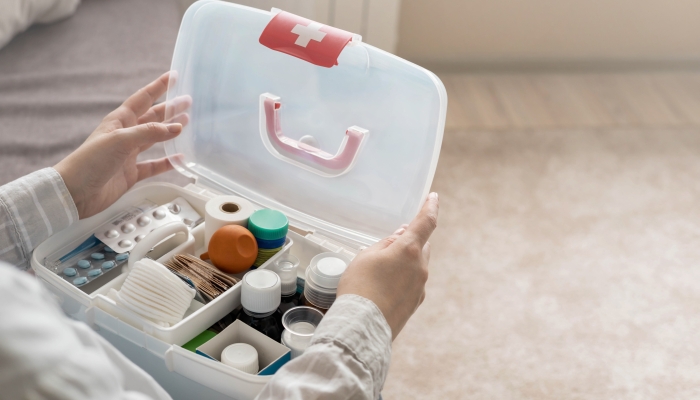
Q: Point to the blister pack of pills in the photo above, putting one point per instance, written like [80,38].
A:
[90,261]
[131,226]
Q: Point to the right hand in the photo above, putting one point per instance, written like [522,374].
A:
[392,273]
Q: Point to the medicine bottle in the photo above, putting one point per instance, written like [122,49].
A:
[260,297]
[322,277]
[286,267]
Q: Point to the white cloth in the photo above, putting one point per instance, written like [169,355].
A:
[18,15]
[45,355]
[348,357]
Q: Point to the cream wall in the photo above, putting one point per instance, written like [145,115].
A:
[508,32]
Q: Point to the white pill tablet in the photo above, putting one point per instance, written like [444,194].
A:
[125,243]
[143,220]
[159,213]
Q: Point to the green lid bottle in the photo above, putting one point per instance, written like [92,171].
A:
[268,224]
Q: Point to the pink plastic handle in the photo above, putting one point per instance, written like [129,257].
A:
[342,160]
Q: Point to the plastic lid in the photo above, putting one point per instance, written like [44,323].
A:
[268,224]
[219,62]
[322,277]
[286,267]
[325,269]
[241,356]
[261,291]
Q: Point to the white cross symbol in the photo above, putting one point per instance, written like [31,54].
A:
[308,33]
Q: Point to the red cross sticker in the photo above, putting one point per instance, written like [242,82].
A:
[302,38]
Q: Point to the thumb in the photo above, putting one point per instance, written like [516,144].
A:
[147,134]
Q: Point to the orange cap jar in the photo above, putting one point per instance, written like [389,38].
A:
[232,249]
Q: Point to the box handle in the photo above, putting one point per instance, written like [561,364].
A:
[152,239]
[306,155]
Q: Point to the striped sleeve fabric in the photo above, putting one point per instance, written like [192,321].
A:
[348,358]
[32,208]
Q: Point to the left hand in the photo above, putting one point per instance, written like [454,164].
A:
[104,167]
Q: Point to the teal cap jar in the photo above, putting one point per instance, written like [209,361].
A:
[268,224]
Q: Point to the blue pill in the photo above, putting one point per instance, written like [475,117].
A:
[97,256]
[84,264]
[122,257]
[80,281]
[109,249]
[108,264]
[94,273]
[70,272]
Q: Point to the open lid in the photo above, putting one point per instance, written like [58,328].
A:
[304,118]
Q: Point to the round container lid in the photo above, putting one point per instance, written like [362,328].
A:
[261,291]
[326,269]
[268,224]
[241,356]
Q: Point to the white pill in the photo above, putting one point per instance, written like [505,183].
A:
[125,243]
[112,233]
[175,208]
[159,214]
[139,238]
[128,228]
[143,220]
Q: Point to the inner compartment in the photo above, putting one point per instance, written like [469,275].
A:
[199,316]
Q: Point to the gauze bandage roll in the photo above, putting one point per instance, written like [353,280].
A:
[155,293]
[225,210]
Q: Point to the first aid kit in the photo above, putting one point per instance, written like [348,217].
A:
[291,115]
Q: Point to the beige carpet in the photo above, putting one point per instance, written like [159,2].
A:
[566,265]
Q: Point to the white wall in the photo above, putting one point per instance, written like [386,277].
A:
[549,31]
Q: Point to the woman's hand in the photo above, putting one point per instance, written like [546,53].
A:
[393,272]
[104,167]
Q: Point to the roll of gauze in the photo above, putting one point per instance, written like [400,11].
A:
[155,293]
[225,210]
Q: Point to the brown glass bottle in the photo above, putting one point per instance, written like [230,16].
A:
[304,302]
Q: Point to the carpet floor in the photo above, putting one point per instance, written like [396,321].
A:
[566,265]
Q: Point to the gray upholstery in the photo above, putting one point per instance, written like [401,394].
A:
[58,81]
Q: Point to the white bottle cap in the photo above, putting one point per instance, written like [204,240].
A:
[286,267]
[322,277]
[241,356]
[326,269]
[261,292]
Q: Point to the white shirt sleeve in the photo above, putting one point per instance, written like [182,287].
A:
[32,208]
[348,357]
[45,355]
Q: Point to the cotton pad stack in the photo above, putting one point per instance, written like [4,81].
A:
[154,293]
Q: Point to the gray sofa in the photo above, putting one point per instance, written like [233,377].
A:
[58,81]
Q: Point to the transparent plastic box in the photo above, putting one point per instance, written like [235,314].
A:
[348,151]
[221,64]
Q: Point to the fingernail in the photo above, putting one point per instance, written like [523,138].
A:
[400,231]
[433,195]
[174,128]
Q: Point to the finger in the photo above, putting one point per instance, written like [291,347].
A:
[147,169]
[182,119]
[138,103]
[172,108]
[138,136]
[420,229]
[386,242]
[399,231]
